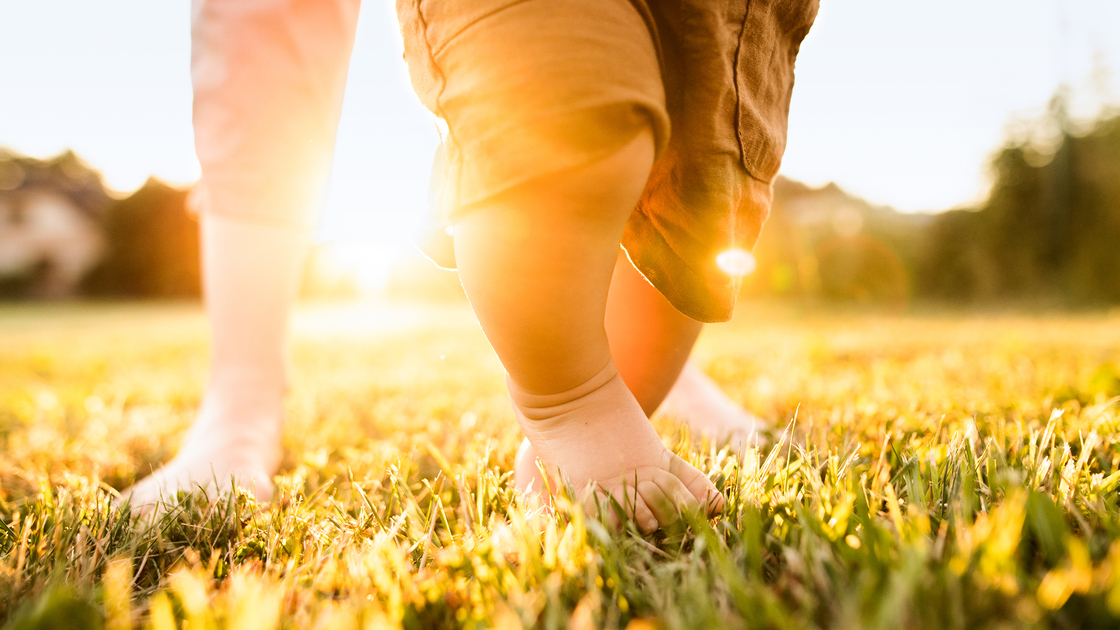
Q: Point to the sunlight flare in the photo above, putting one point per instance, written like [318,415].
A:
[736,262]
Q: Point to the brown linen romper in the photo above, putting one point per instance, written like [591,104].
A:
[531,87]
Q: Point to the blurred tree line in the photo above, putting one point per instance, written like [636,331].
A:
[55,215]
[1049,232]
[1050,228]
[154,251]
[152,247]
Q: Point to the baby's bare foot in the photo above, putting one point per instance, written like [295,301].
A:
[234,441]
[596,436]
[708,411]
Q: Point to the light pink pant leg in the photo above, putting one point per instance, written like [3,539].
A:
[268,82]
[268,79]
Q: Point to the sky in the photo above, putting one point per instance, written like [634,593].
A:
[899,101]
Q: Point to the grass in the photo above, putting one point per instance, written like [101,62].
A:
[951,472]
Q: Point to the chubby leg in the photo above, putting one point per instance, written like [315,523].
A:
[650,342]
[251,274]
[536,263]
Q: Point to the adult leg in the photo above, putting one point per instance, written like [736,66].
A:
[251,273]
[268,78]
[536,263]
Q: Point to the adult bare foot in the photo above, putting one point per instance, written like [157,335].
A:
[597,438]
[235,440]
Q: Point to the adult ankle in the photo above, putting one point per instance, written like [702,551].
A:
[251,383]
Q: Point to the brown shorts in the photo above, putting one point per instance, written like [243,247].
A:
[531,87]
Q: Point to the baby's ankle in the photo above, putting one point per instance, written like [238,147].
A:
[547,406]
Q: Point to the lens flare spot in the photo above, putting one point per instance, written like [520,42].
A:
[736,262]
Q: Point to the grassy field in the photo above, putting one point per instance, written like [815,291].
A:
[950,472]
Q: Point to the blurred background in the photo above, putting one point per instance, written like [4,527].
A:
[958,152]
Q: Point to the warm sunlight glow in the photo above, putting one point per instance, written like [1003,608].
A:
[370,267]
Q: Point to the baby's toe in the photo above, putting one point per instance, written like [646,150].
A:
[666,496]
[698,485]
[644,517]
[604,505]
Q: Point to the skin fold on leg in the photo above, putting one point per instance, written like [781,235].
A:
[251,275]
[536,263]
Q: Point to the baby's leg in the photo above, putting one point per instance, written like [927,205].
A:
[650,341]
[536,263]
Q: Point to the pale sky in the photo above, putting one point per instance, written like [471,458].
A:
[899,101]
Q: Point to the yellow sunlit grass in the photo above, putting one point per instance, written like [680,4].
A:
[948,471]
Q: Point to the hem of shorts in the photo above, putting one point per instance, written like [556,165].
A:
[253,208]
[689,292]
[761,164]
[469,195]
